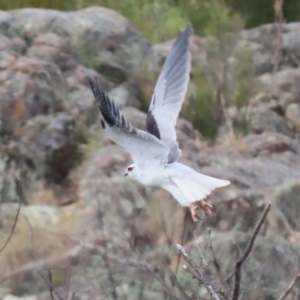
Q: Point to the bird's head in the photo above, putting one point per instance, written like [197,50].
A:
[131,171]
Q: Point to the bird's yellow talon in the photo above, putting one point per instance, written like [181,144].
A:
[195,206]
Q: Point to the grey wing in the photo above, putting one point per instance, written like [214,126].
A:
[142,146]
[169,94]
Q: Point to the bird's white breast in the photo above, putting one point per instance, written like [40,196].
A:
[154,176]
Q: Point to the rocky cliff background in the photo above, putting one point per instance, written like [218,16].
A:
[83,230]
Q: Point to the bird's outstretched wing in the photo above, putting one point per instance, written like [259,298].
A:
[143,147]
[169,94]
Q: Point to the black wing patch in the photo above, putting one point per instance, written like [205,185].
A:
[107,117]
[109,111]
[151,125]
[102,123]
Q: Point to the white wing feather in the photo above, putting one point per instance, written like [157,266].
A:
[169,94]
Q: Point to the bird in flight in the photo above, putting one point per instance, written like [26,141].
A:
[155,152]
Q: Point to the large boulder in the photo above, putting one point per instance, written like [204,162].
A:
[287,200]
[53,48]
[42,76]
[101,38]
[266,120]
[265,162]
[47,151]
[31,87]
[50,146]
[41,50]
[278,90]
[264,42]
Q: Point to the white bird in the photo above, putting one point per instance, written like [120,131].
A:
[155,152]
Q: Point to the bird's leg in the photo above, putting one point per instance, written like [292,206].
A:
[205,206]
[194,206]
[201,204]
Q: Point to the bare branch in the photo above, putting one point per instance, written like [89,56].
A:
[226,288]
[51,284]
[203,260]
[245,254]
[216,263]
[167,288]
[195,271]
[277,57]
[290,287]
[237,251]
[226,114]
[229,277]
[21,197]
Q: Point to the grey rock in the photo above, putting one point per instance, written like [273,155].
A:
[263,40]
[86,108]
[51,47]
[49,146]
[262,164]
[31,87]
[281,87]
[261,173]
[5,19]
[76,79]
[293,114]
[269,143]
[235,209]
[124,95]
[103,38]
[15,45]
[268,120]
[287,200]
[261,55]
[49,84]
[103,184]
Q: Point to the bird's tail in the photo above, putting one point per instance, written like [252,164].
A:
[195,186]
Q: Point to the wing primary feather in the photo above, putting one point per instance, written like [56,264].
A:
[152,125]
[102,123]
[145,148]
[108,109]
[169,94]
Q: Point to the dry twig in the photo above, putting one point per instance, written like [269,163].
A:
[215,262]
[278,10]
[225,286]
[290,287]
[51,289]
[196,272]
[245,254]
[203,260]
[21,197]
[225,113]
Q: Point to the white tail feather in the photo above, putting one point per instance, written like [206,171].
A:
[193,187]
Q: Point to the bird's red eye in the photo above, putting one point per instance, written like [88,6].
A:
[130,168]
